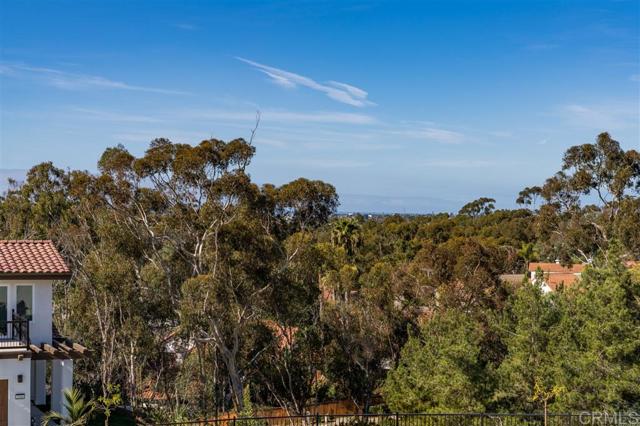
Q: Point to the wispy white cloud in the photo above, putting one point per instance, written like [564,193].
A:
[72,81]
[94,114]
[352,90]
[609,116]
[335,90]
[431,134]
[272,116]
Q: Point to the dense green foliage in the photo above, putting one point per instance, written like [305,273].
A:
[79,411]
[200,289]
[441,369]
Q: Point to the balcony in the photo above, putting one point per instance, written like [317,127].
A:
[14,334]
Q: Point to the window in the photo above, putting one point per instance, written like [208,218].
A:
[3,310]
[24,301]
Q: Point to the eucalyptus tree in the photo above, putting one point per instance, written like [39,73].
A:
[34,208]
[292,361]
[602,170]
[479,207]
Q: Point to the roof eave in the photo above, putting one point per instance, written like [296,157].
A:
[61,276]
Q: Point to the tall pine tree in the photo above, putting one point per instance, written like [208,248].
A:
[601,339]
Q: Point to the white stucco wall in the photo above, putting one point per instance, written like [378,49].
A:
[40,325]
[61,380]
[19,409]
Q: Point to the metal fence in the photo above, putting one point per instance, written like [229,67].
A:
[449,419]
[14,334]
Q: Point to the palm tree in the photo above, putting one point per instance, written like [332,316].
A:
[346,234]
[528,252]
[79,411]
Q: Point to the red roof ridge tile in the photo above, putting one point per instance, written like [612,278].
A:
[25,241]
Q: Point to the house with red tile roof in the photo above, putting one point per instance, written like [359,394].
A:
[28,339]
[556,275]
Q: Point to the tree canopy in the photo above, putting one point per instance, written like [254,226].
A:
[195,285]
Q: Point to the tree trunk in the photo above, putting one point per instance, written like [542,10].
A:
[236,383]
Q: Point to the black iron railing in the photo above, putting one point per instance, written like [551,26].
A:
[14,334]
[448,419]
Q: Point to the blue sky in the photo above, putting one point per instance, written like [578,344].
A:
[404,106]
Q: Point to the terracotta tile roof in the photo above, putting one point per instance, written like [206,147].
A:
[31,258]
[556,267]
[554,280]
